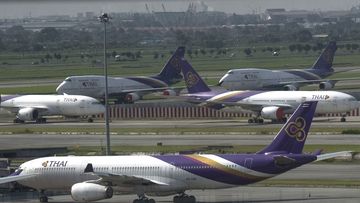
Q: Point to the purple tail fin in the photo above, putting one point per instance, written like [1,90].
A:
[291,138]
[323,65]
[193,81]
[170,73]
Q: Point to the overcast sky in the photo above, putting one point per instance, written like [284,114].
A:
[26,8]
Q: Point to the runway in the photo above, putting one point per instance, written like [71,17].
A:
[241,194]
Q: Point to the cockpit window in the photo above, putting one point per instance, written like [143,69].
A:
[230,72]
[68,79]
[17,172]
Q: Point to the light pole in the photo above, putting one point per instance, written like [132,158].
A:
[104,18]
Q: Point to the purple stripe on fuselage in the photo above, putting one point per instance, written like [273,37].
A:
[201,169]
[241,96]
[303,74]
[152,82]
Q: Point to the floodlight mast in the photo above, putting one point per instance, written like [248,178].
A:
[104,18]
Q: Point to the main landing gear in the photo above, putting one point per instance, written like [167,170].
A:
[343,119]
[261,120]
[143,199]
[184,198]
[41,120]
[256,120]
[42,196]
[17,120]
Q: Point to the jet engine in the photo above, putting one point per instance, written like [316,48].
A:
[86,192]
[272,112]
[169,92]
[291,87]
[326,85]
[131,97]
[28,114]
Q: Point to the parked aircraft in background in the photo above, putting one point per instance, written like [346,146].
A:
[35,107]
[265,104]
[126,89]
[92,178]
[293,79]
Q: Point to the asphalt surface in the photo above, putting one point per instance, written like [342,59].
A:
[244,194]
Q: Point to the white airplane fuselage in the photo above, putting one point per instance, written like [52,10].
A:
[61,173]
[47,105]
[94,86]
[262,79]
[328,101]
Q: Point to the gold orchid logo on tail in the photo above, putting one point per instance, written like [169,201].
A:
[191,79]
[296,129]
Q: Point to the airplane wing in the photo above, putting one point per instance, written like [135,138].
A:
[253,106]
[13,178]
[15,109]
[121,179]
[332,155]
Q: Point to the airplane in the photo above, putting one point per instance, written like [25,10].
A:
[265,104]
[291,79]
[126,89]
[37,107]
[93,178]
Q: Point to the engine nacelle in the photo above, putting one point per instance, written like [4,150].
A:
[326,85]
[291,88]
[169,92]
[86,192]
[28,114]
[131,97]
[272,112]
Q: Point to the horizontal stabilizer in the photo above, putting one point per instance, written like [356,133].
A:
[332,155]
[283,160]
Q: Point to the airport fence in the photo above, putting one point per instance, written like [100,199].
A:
[166,111]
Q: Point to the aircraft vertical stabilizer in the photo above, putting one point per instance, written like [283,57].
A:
[193,81]
[170,73]
[292,136]
[323,64]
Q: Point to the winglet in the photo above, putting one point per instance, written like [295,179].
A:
[292,136]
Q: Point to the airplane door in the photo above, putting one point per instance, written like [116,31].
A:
[57,105]
[248,163]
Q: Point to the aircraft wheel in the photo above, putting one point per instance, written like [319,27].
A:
[260,120]
[192,199]
[90,120]
[343,119]
[44,199]
[251,120]
[152,201]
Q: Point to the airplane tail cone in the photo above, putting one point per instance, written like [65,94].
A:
[292,136]
[170,73]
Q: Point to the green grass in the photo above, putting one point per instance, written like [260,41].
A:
[172,129]
[19,67]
